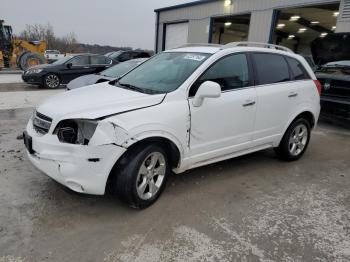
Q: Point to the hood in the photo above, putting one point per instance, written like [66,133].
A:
[333,47]
[333,76]
[87,80]
[95,102]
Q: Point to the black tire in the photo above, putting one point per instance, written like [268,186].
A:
[19,59]
[51,81]
[127,173]
[24,60]
[284,150]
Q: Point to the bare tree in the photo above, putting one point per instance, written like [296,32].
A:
[66,43]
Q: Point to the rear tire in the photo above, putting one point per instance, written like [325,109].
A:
[295,141]
[30,59]
[140,176]
[19,58]
[51,81]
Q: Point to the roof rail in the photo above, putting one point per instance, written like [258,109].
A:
[257,44]
[201,44]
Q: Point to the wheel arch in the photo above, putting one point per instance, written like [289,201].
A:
[307,114]
[172,149]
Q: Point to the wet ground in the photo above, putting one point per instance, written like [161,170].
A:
[252,208]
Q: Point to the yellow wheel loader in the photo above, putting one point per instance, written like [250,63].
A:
[19,53]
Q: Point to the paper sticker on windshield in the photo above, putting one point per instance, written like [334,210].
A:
[194,57]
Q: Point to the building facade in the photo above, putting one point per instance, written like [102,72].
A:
[292,23]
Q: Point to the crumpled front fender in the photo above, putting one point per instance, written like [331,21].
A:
[108,133]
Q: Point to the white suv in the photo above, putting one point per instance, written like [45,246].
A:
[183,108]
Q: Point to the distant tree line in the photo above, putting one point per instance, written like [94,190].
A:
[65,44]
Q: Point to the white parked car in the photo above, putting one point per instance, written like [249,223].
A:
[181,109]
[53,55]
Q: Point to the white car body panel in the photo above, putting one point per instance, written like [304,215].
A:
[214,131]
[95,101]
[221,128]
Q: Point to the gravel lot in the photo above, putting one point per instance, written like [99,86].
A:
[252,208]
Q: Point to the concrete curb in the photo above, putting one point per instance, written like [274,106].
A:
[6,71]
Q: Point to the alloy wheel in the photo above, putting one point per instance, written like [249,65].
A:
[298,139]
[151,175]
[52,81]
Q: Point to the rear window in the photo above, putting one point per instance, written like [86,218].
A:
[271,68]
[298,70]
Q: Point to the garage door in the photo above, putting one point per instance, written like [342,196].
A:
[176,35]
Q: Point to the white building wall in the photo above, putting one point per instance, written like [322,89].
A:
[343,24]
[261,17]
[260,26]
[199,31]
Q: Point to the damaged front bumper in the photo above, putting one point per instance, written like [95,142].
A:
[82,168]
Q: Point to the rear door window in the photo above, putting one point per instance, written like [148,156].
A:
[271,68]
[80,60]
[298,70]
[98,60]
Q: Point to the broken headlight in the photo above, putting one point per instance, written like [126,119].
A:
[76,131]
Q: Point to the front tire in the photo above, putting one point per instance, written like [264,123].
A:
[52,81]
[141,175]
[295,141]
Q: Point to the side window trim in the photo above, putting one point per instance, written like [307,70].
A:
[291,74]
[250,72]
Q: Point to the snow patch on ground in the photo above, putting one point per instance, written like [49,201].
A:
[24,99]
[10,78]
[12,259]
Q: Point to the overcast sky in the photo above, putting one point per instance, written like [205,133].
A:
[105,22]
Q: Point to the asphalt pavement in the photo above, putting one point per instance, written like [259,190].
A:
[251,208]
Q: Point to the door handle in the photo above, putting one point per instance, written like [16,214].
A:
[293,94]
[249,103]
[86,67]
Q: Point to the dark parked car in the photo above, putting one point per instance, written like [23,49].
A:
[109,74]
[66,69]
[122,56]
[332,54]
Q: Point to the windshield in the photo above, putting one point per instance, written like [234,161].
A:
[163,73]
[62,61]
[122,68]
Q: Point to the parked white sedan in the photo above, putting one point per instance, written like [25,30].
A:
[181,109]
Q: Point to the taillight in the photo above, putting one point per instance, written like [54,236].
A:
[318,86]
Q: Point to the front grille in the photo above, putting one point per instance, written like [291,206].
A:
[41,123]
[334,87]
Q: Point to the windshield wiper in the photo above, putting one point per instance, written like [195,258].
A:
[131,87]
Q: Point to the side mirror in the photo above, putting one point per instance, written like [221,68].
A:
[69,65]
[208,89]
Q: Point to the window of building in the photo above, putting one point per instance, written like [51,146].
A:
[230,29]
[298,27]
